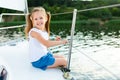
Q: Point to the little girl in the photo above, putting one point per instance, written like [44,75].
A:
[37,30]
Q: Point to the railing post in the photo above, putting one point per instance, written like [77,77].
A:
[72,34]
[0,17]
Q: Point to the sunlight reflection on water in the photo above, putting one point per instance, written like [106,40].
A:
[94,59]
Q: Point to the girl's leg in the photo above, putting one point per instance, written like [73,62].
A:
[58,56]
[59,62]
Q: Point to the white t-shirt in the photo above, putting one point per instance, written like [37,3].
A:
[37,49]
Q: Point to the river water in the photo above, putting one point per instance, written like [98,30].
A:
[92,58]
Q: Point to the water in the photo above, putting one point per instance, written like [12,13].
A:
[92,58]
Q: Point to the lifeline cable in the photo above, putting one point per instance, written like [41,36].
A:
[109,6]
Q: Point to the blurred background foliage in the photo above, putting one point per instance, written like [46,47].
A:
[105,19]
[59,6]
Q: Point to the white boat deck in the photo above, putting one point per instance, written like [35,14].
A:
[16,61]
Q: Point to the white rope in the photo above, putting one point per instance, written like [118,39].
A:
[13,14]
[11,27]
[62,13]
[109,6]
[115,5]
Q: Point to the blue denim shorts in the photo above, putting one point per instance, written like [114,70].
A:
[44,61]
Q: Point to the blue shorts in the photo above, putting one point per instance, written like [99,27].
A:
[44,61]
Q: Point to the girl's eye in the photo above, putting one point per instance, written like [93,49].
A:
[40,18]
[35,18]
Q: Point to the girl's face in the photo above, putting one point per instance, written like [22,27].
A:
[39,19]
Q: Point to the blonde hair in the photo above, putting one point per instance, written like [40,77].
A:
[29,21]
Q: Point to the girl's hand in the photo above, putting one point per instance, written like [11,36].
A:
[58,38]
[64,41]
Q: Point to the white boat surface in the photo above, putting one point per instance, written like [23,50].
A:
[16,60]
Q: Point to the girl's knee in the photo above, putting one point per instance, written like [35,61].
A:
[64,62]
[59,62]
[59,56]
[62,57]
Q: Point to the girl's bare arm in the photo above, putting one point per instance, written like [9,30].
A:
[47,43]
